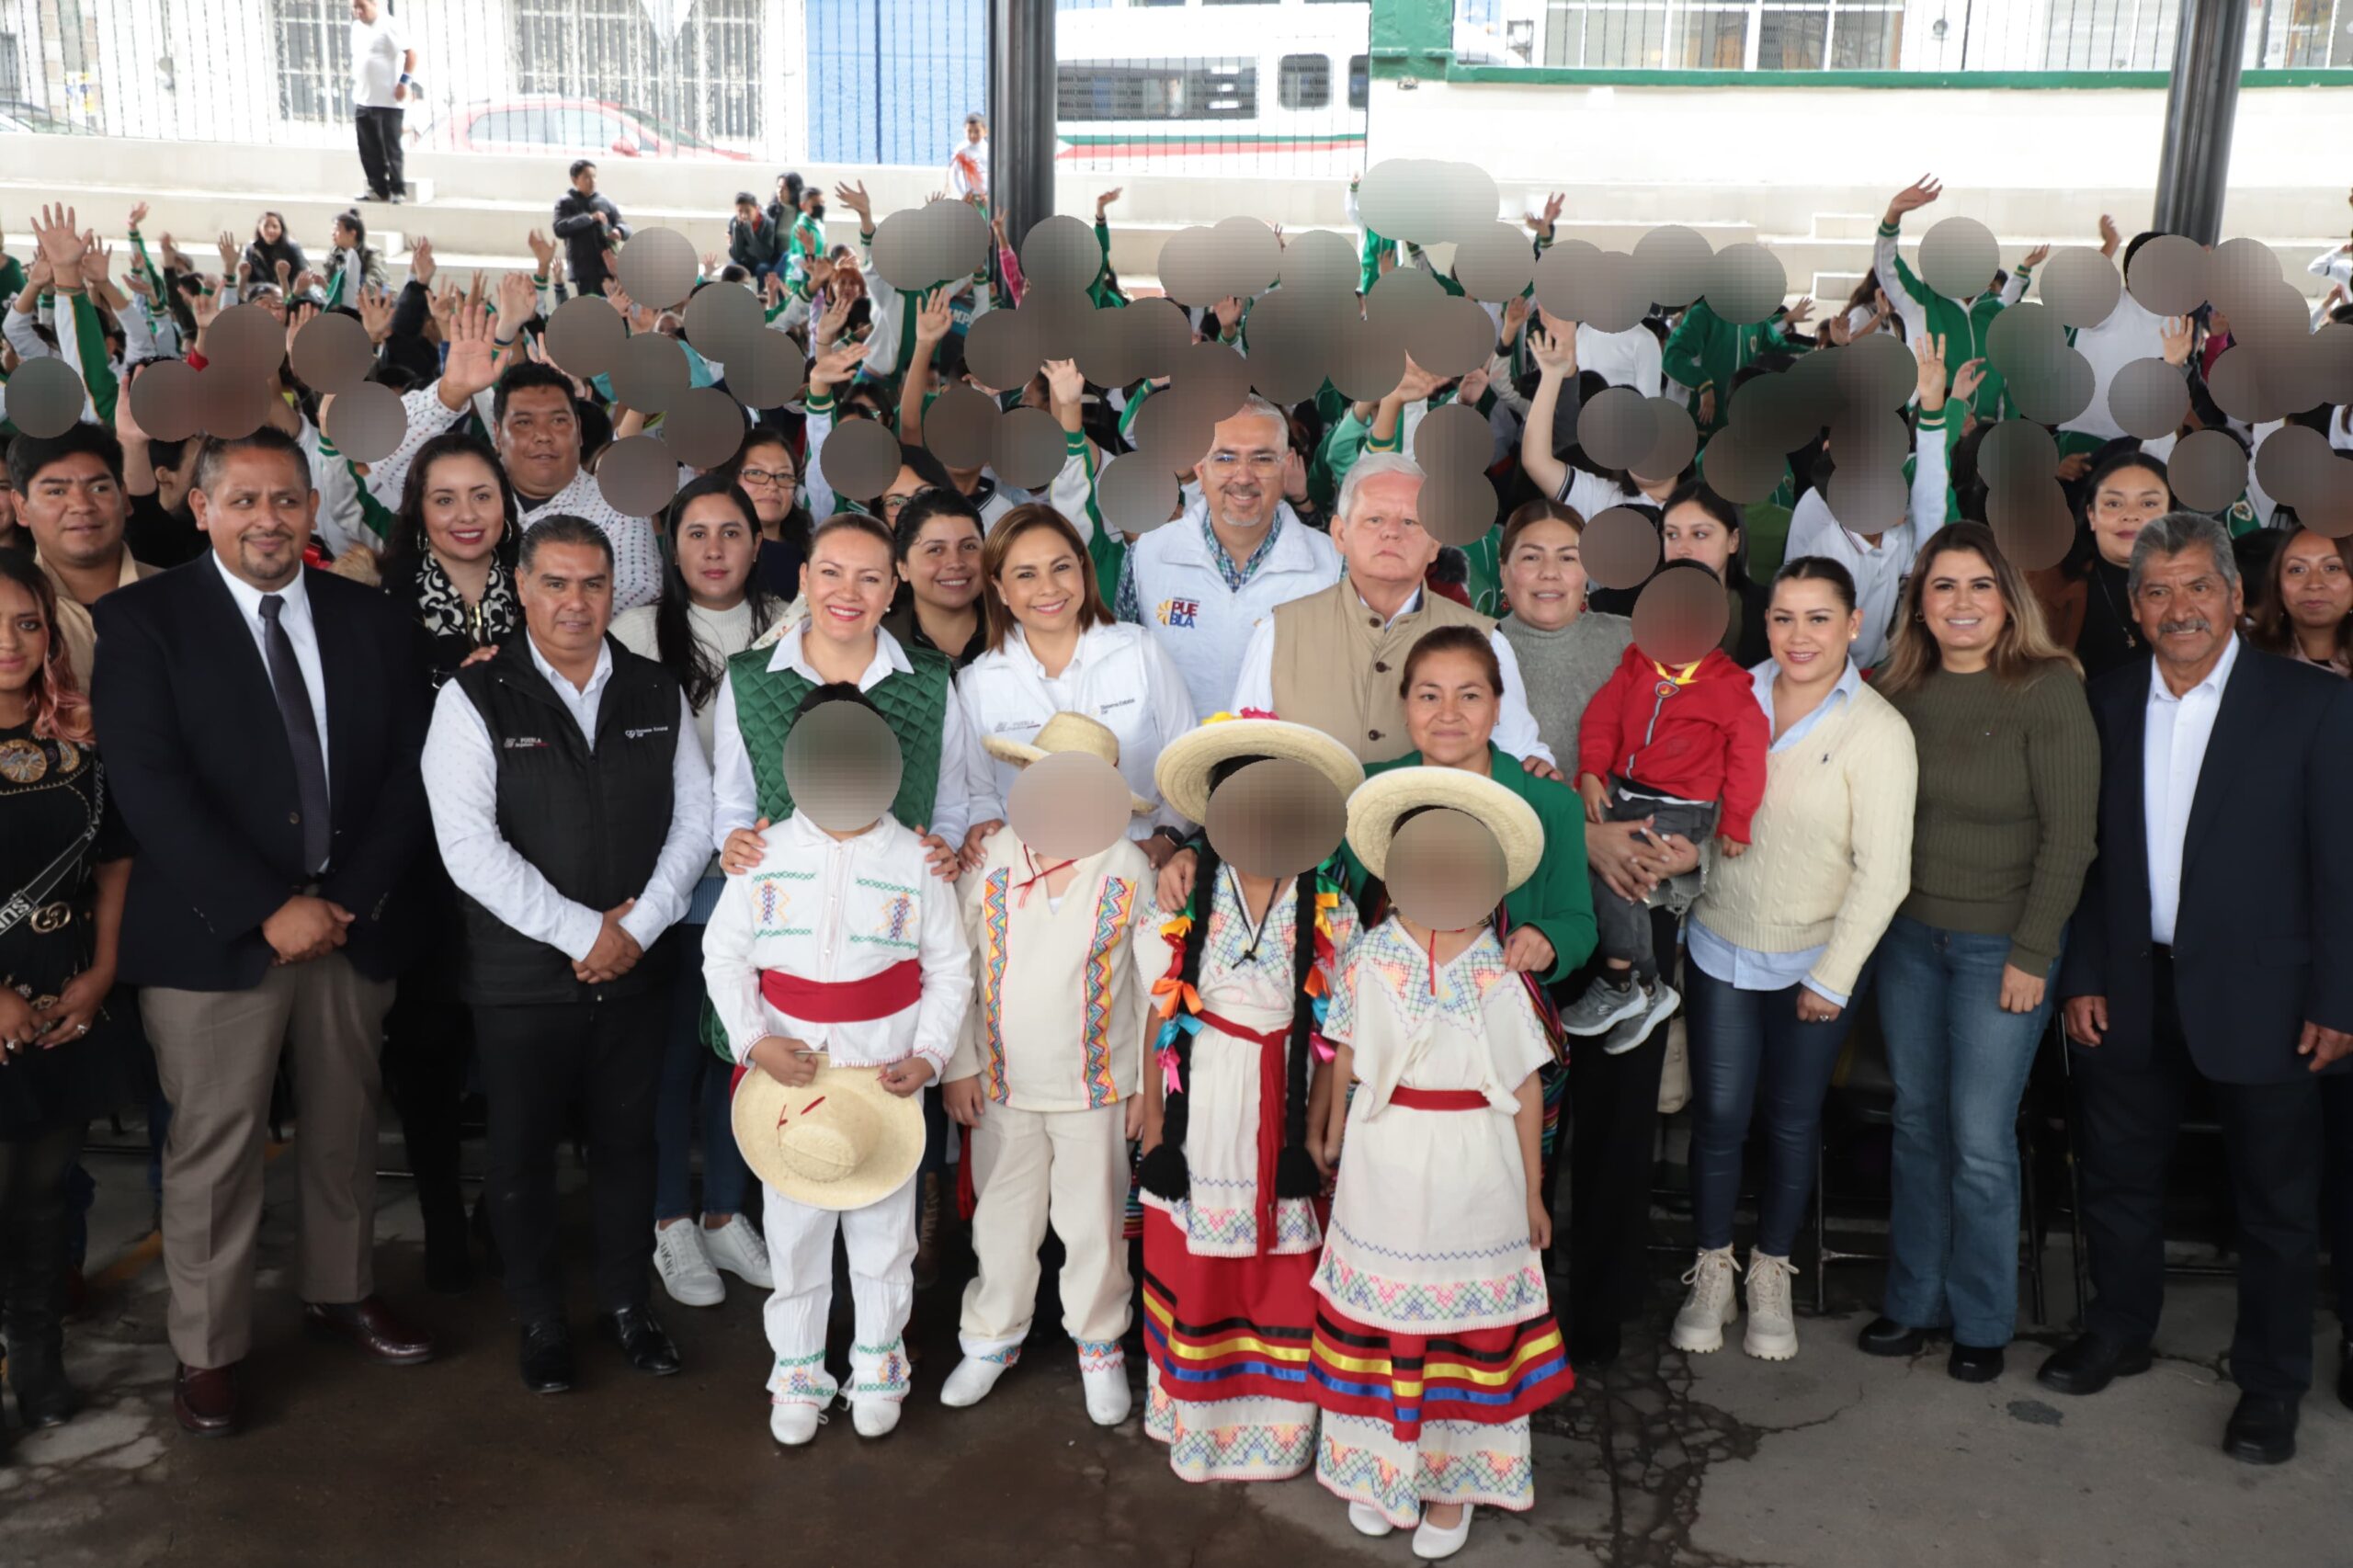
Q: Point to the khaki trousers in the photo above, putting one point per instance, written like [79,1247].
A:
[1029,1166]
[217,1054]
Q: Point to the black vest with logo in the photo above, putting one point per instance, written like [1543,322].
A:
[592,822]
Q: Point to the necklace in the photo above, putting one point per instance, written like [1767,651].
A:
[2132,636]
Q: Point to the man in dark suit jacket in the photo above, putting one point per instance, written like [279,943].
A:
[2214,941]
[262,729]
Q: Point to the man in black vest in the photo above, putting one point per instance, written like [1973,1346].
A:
[261,724]
[573,806]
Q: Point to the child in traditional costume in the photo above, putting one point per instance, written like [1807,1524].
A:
[1047,1074]
[1231,1189]
[840,970]
[1433,1337]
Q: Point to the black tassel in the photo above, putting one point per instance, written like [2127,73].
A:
[1164,1174]
[1295,1174]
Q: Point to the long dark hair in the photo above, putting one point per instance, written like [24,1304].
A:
[58,711]
[675,643]
[1164,1171]
[2268,628]
[408,541]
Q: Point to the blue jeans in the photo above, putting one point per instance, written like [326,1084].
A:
[1744,1043]
[1960,1066]
[693,1078]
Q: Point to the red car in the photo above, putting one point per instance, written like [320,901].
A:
[582,127]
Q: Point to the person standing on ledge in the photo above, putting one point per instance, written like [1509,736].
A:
[381,63]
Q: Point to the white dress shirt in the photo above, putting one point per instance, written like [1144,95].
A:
[2173,750]
[840,909]
[1119,676]
[1515,726]
[461,786]
[736,795]
[302,632]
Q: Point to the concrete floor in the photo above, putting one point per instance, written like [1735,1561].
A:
[1665,1461]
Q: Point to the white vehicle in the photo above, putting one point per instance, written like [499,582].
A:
[1274,89]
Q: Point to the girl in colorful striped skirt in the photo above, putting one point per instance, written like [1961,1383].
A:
[1232,1228]
[1434,1339]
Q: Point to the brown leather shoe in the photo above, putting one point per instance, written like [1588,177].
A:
[371,1326]
[205,1400]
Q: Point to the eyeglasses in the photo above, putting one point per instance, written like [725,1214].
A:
[1258,463]
[761,478]
[893,505]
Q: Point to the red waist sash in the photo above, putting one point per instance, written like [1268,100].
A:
[845,1001]
[1438,1099]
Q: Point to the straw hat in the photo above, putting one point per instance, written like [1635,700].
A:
[1067,732]
[841,1143]
[1187,762]
[1374,809]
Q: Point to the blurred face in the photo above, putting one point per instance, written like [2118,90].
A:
[1040,583]
[24,637]
[540,440]
[364,9]
[2186,609]
[464,513]
[258,514]
[1692,534]
[1382,541]
[567,593]
[1241,478]
[748,212]
[8,504]
[1449,708]
[2313,585]
[847,581]
[345,235]
[584,182]
[943,566]
[1809,629]
[769,477]
[715,545]
[1545,576]
[271,229]
[973,130]
[75,510]
[1961,599]
[2127,501]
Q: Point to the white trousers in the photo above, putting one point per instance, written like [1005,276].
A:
[1069,1168]
[880,1241]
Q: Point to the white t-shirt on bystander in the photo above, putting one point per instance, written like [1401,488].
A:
[376,50]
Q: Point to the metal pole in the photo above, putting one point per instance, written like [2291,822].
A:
[1022,142]
[2200,106]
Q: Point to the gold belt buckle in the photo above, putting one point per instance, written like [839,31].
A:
[51,916]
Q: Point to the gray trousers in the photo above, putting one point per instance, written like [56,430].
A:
[1623,925]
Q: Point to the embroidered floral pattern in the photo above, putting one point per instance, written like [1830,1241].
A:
[802,1379]
[1113,908]
[1468,1304]
[993,923]
[1387,955]
[1100,1355]
[879,1371]
[1498,1478]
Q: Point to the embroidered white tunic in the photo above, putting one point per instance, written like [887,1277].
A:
[1060,1021]
[1429,1223]
[1247,978]
[827,909]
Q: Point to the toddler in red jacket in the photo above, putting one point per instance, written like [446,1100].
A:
[1681,747]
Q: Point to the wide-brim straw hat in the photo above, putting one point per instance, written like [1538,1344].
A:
[1067,732]
[1185,763]
[840,1143]
[1374,809]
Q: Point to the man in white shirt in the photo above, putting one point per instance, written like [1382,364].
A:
[2213,946]
[573,806]
[381,64]
[528,408]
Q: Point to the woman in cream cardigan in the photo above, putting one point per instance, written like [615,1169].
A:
[1777,940]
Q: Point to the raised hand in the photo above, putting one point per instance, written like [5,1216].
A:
[1928,349]
[226,244]
[543,250]
[933,321]
[1105,199]
[1064,382]
[472,362]
[1914,196]
[518,295]
[2180,335]
[1967,380]
[2109,237]
[837,365]
[138,215]
[421,264]
[62,243]
[1801,311]
[376,314]
[2035,257]
[852,195]
[1554,346]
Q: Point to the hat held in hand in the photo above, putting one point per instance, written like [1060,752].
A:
[841,1141]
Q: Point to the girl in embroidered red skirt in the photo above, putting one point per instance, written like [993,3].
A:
[1433,1337]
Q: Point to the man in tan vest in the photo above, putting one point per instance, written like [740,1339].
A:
[1336,659]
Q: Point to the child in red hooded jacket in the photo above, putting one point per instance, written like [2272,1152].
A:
[1681,747]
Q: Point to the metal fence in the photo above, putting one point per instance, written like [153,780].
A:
[2010,36]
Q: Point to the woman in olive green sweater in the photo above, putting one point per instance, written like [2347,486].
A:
[2009,794]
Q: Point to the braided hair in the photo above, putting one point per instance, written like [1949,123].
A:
[1164,1172]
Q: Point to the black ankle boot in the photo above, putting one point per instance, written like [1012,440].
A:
[45,1396]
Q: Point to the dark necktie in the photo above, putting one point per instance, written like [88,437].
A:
[301,732]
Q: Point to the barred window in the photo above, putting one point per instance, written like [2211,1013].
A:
[698,86]
[312,38]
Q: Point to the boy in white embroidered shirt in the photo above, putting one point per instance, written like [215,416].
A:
[1047,1075]
[840,941]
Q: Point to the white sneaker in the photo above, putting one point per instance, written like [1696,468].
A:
[793,1425]
[738,1247]
[874,1417]
[685,1267]
[1431,1544]
[1772,1322]
[973,1376]
[1367,1521]
[1108,1398]
[1699,1326]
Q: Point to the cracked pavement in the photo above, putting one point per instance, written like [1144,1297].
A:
[1664,1461]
